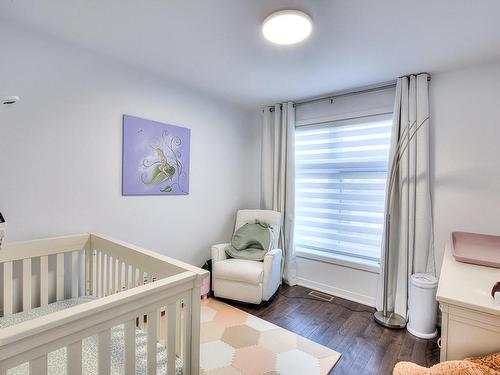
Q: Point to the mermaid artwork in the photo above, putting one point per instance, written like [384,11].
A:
[155,158]
[167,167]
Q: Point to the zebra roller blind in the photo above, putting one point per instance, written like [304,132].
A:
[341,170]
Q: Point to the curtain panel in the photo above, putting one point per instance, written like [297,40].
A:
[411,242]
[278,177]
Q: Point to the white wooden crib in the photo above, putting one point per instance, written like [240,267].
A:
[110,284]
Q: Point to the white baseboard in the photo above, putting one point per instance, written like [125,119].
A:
[351,296]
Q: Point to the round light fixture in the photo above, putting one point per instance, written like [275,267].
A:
[287,27]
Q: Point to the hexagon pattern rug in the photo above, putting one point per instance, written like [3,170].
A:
[234,342]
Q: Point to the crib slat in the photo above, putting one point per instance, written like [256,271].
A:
[114,275]
[74,362]
[74,274]
[95,271]
[170,336]
[111,278]
[139,277]
[119,287]
[127,275]
[143,280]
[27,284]
[130,347]
[178,331]
[44,280]
[98,274]
[38,366]
[186,342]
[118,268]
[107,273]
[103,356]
[158,328]
[134,277]
[116,282]
[60,277]
[104,274]
[7,288]
[89,284]
[151,343]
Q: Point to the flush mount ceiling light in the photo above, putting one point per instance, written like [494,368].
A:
[287,27]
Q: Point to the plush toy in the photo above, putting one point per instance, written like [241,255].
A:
[487,365]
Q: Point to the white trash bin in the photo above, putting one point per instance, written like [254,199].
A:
[422,306]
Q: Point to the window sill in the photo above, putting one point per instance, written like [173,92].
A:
[341,260]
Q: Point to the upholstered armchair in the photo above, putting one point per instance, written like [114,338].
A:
[248,280]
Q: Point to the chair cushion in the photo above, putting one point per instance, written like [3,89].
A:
[245,271]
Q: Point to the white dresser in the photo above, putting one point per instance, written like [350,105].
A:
[471,320]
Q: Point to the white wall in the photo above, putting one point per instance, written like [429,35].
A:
[339,280]
[465,152]
[61,147]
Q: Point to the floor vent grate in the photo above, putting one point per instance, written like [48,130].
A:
[321,296]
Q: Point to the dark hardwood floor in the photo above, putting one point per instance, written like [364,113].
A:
[347,327]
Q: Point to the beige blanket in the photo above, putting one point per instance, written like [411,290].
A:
[487,365]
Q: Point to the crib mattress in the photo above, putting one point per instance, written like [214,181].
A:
[56,360]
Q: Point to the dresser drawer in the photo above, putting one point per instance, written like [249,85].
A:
[466,332]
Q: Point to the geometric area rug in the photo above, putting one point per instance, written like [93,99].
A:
[234,342]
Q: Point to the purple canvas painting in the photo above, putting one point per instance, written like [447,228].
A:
[155,158]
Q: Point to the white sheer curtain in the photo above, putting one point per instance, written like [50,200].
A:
[411,248]
[278,177]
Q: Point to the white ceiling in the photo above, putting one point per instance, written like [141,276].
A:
[216,47]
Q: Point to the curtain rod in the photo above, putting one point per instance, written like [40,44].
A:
[332,97]
[366,89]
[362,90]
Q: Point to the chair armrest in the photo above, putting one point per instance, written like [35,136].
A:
[273,253]
[272,273]
[219,252]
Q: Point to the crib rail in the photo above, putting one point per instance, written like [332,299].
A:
[128,282]
[29,251]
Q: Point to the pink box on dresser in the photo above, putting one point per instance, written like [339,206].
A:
[475,248]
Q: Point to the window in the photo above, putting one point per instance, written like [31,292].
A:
[341,170]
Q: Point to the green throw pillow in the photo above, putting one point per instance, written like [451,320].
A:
[251,241]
